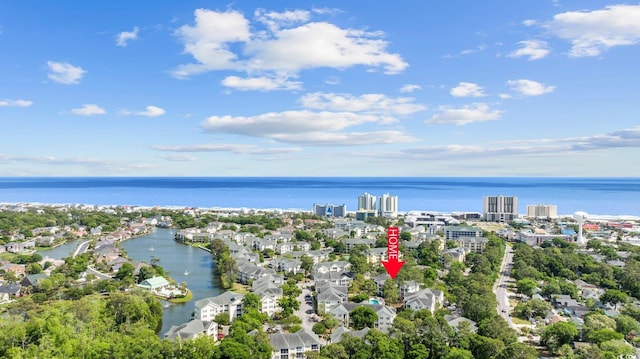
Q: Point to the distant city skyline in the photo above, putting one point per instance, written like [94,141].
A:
[195,88]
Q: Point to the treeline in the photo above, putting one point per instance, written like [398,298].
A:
[226,265]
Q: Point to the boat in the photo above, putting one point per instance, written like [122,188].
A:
[186,272]
[151,248]
[166,304]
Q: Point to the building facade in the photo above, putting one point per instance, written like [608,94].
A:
[542,211]
[330,210]
[500,208]
[366,202]
[388,206]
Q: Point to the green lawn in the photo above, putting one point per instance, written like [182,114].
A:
[519,321]
[187,298]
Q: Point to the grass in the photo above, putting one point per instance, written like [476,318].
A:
[186,298]
[6,256]
[516,320]
[240,288]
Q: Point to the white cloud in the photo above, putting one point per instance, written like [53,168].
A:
[308,128]
[504,96]
[529,22]
[89,110]
[276,20]
[124,37]
[593,32]
[626,138]
[65,73]
[15,103]
[332,80]
[179,158]
[530,87]
[410,88]
[367,103]
[279,51]
[477,112]
[226,147]
[467,89]
[92,163]
[260,83]
[209,39]
[152,111]
[534,49]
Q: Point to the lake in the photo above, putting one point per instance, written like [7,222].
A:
[176,258]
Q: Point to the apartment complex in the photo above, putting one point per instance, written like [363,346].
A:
[330,210]
[500,208]
[371,206]
[542,211]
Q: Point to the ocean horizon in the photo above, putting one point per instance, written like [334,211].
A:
[595,195]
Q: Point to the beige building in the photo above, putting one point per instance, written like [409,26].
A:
[542,211]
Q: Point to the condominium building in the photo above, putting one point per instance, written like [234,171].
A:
[388,206]
[330,210]
[366,202]
[542,211]
[500,208]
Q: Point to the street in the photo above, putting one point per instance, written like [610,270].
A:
[500,287]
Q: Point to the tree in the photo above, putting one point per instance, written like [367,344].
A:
[456,353]
[532,308]
[558,334]
[306,263]
[526,286]
[518,351]
[251,301]
[125,271]
[613,296]
[363,317]
[319,328]
[625,324]
[288,305]
[383,346]
[390,292]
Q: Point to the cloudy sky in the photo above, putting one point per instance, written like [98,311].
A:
[341,88]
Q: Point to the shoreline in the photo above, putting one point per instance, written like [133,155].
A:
[254,210]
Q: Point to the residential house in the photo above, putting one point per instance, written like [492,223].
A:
[353,242]
[376,255]
[8,291]
[287,265]
[31,280]
[343,279]
[452,255]
[430,299]
[336,334]
[294,345]
[329,296]
[569,305]
[386,314]
[228,302]
[326,267]
[408,288]
[269,288]
[379,281]
[455,322]
[282,248]
[454,232]
[20,247]
[472,244]
[192,329]
[154,284]
[249,271]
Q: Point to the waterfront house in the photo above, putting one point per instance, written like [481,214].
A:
[294,345]
[228,302]
[32,280]
[154,284]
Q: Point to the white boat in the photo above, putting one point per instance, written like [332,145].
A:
[186,272]
[151,249]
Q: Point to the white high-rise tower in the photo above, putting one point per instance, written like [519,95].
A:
[366,202]
[388,206]
[580,217]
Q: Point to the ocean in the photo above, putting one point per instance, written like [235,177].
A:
[601,196]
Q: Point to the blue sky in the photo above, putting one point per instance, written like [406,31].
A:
[337,88]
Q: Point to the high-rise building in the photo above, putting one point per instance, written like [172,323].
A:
[500,208]
[542,211]
[330,210]
[388,206]
[366,202]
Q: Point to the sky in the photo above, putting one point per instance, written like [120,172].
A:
[332,88]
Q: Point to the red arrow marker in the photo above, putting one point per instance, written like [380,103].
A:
[392,264]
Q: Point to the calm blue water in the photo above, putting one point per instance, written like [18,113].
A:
[615,196]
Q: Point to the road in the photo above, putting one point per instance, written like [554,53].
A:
[307,323]
[82,247]
[500,287]
[99,275]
